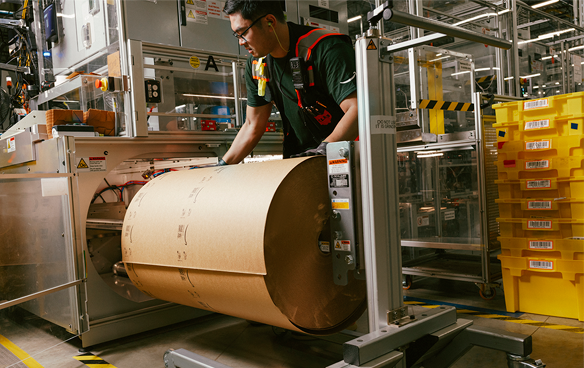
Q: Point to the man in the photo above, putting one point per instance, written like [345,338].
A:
[326,112]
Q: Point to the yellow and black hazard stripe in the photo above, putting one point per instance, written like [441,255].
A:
[503,317]
[93,361]
[485,79]
[446,105]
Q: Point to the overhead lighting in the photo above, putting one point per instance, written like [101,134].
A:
[482,69]
[211,96]
[503,11]
[475,18]
[557,82]
[353,19]
[548,35]
[531,76]
[576,48]
[547,57]
[543,86]
[545,3]
[508,78]
[468,71]
[425,154]
[535,87]
[440,58]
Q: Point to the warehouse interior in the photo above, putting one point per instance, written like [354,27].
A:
[450,234]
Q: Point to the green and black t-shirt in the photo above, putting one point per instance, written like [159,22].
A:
[333,59]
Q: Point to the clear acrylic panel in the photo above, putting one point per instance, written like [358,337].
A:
[37,247]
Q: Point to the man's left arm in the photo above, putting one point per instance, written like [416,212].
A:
[347,129]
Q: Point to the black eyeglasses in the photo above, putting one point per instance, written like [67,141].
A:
[240,35]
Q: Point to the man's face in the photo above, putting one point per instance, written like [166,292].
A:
[253,39]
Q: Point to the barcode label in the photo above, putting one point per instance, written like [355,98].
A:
[538,145]
[539,205]
[531,224]
[534,184]
[539,164]
[541,244]
[537,124]
[535,104]
[541,265]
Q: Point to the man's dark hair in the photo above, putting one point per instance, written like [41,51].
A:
[253,9]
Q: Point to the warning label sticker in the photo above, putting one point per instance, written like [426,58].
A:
[339,181]
[371,46]
[11,144]
[343,245]
[340,204]
[194,62]
[423,220]
[324,246]
[91,164]
[339,166]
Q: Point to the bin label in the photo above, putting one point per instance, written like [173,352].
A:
[538,145]
[539,224]
[528,105]
[536,184]
[537,124]
[541,265]
[541,244]
[539,164]
[539,205]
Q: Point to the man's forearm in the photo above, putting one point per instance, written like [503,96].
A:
[249,135]
[347,128]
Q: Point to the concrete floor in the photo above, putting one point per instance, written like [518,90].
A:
[238,344]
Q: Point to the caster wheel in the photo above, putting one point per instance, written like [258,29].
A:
[487,292]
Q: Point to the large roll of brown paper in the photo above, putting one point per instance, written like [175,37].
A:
[241,240]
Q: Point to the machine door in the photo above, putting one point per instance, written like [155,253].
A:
[152,21]
[40,269]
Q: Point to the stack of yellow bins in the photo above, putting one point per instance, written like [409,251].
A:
[540,146]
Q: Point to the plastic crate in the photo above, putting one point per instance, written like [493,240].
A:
[541,228]
[569,249]
[572,187]
[571,145]
[544,286]
[543,168]
[567,105]
[539,129]
[566,208]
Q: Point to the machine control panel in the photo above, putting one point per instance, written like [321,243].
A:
[343,181]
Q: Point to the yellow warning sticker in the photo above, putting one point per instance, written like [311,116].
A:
[190,2]
[340,204]
[191,15]
[195,62]
[343,245]
[82,164]
[371,45]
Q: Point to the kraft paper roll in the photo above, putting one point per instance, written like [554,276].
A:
[241,240]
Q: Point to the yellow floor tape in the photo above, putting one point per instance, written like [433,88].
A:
[500,317]
[20,354]
[93,361]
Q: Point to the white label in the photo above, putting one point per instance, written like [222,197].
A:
[537,124]
[531,224]
[324,246]
[539,205]
[449,215]
[214,9]
[323,3]
[541,244]
[423,220]
[343,245]
[464,66]
[91,164]
[540,164]
[339,166]
[197,11]
[533,184]
[542,265]
[11,144]
[54,187]
[538,145]
[535,104]
[382,124]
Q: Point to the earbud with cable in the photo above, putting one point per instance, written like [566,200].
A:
[282,47]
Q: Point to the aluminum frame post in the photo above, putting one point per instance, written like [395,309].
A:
[379,187]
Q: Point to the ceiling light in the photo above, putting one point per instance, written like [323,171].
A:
[467,71]
[353,19]
[576,48]
[545,3]
[508,78]
[532,75]
[440,58]
[482,69]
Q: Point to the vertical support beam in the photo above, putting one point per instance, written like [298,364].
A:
[512,15]
[379,187]
[139,123]
[565,68]
[236,89]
